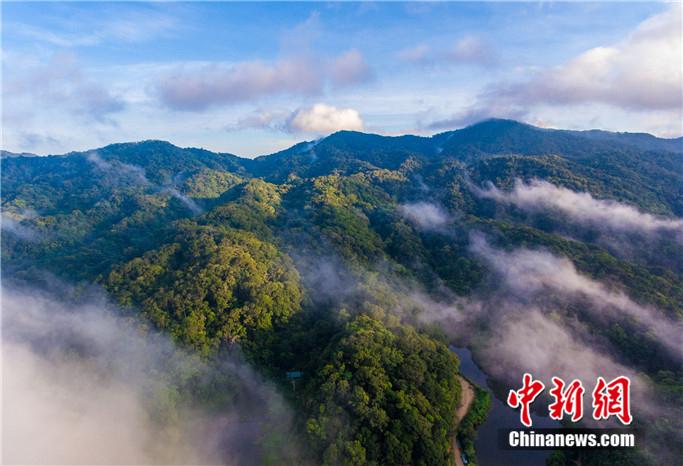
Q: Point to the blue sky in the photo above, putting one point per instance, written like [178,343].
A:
[253,78]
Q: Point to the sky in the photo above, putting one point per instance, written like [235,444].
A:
[256,77]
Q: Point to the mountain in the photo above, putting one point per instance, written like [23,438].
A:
[507,136]
[351,151]
[344,151]
[641,140]
[348,150]
[8,154]
[346,260]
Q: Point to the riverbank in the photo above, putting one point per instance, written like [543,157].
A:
[466,399]
[500,416]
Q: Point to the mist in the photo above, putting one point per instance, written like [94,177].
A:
[531,272]
[582,207]
[185,200]
[424,215]
[521,319]
[546,345]
[126,173]
[84,385]
[518,322]
[19,230]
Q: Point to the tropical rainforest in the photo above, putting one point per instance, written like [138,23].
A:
[343,269]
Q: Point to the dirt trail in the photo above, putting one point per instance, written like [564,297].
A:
[466,398]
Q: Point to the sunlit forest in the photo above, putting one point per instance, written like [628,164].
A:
[341,270]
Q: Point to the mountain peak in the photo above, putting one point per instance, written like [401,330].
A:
[141,144]
[501,122]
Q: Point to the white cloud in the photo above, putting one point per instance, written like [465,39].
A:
[425,215]
[349,68]
[643,73]
[546,348]
[583,207]
[532,333]
[324,119]
[207,85]
[82,385]
[300,38]
[532,341]
[61,83]
[13,226]
[531,272]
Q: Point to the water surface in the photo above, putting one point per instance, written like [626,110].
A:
[500,417]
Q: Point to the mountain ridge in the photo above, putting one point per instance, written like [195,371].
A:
[642,140]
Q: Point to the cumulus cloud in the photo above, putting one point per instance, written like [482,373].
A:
[533,272]
[324,119]
[200,87]
[425,215]
[82,385]
[582,207]
[642,72]
[318,119]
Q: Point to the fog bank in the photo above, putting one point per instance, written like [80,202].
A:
[582,207]
[83,385]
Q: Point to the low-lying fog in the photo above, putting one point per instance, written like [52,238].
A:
[84,385]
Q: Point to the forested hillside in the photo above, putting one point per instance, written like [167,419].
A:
[355,261]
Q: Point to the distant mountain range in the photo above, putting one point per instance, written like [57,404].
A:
[8,154]
[489,136]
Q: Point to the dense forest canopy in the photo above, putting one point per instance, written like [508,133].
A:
[356,259]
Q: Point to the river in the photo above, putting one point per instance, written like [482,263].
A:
[500,417]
